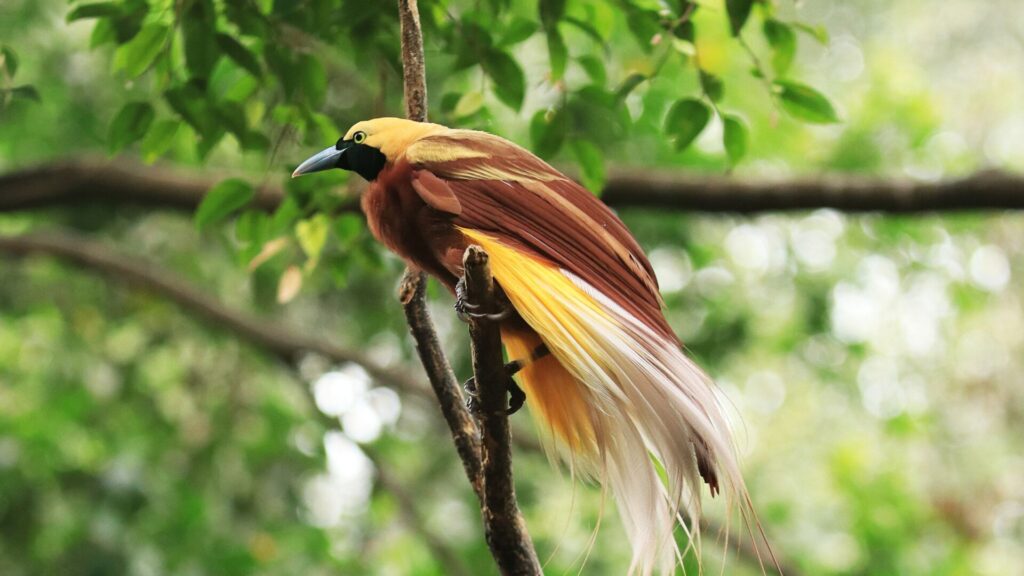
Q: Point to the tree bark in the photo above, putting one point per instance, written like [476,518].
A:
[505,528]
[126,182]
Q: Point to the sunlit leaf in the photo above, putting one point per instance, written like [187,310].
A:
[805,103]
[686,120]
[312,236]
[518,31]
[734,136]
[819,33]
[138,55]
[269,250]
[594,68]
[469,104]
[591,161]
[558,53]
[782,39]
[223,200]
[629,84]
[289,285]
[159,139]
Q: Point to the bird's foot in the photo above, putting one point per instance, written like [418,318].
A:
[468,311]
[516,396]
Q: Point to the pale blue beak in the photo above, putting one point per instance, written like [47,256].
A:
[321,161]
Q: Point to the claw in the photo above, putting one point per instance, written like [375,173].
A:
[468,311]
[516,397]
[469,386]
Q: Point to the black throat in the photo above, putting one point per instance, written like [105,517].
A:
[364,160]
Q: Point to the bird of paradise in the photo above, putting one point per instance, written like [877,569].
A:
[601,368]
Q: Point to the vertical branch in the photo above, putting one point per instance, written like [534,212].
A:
[412,290]
[489,470]
[414,71]
[505,529]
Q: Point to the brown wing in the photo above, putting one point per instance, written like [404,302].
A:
[507,192]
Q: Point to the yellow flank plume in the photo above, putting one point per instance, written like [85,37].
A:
[553,386]
[554,396]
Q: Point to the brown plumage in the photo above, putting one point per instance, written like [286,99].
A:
[616,387]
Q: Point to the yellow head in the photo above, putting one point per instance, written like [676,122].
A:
[369,145]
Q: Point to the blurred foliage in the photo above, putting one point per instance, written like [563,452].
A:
[874,361]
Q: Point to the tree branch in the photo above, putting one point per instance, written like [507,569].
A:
[270,336]
[505,528]
[119,182]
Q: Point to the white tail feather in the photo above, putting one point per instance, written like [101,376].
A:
[649,399]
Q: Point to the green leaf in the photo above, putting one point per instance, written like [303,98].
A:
[191,104]
[629,84]
[819,33]
[94,10]
[130,124]
[735,136]
[509,81]
[594,68]
[712,86]
[547,131]
[519,30]
[198,30]
[591,160]
[558,53]
[739,12]
[137,56]
[782,39]
[10,60]
[223,200]
[686,120]
[25,92]
[586,28]
[240,54]
[469,104]
[805,103]
[551,11]
[312,235]
[159,139]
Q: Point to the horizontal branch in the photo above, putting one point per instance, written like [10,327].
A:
[267,335]
[123,181]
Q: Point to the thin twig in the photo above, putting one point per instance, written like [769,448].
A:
[505,528]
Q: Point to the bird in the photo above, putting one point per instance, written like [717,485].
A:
[601,368]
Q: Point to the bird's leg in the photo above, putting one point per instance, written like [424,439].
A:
[468,311]
[516,396]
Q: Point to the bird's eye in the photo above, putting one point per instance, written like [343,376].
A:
[359,137]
